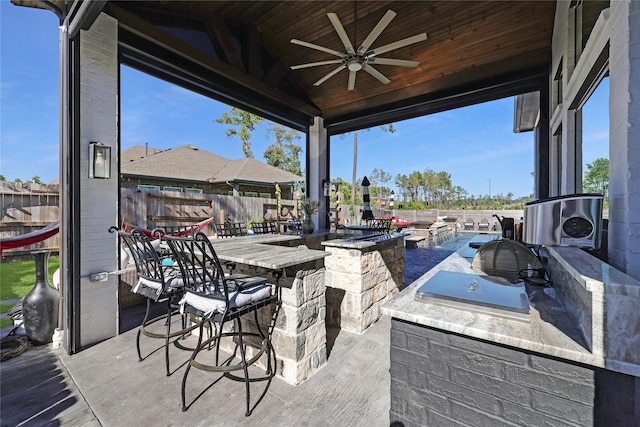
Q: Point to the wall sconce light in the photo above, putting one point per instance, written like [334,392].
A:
[330,188]
[99,161]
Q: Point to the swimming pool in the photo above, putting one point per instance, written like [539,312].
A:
[418,261]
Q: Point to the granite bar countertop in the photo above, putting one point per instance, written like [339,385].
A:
[260,251]
[361,240]
[604,301]
[552,330]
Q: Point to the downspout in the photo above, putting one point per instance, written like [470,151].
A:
[235,190]
[65,275]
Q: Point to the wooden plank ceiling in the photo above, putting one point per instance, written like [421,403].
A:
[244,48]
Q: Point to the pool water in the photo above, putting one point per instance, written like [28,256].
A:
[418,261]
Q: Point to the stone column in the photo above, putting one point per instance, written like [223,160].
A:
[318,168]
[300,334]
[360,278]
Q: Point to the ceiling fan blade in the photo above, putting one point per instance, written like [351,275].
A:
[341,32]
[389,61]
[398,44]
[352,80]
[316,47]
[314,64]
[375,73]
[379,28]
[331,74]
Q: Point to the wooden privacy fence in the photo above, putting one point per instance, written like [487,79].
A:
[28,207]
[173,210]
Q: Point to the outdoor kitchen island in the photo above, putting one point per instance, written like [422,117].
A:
[342,286]
[574,362]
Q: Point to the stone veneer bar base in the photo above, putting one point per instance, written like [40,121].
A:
[360,277]
[440,378]
[299,337]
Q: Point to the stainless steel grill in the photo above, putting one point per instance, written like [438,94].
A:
[571,220]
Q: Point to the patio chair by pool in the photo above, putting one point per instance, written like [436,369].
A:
[158,283]
[468,225]
[483,225]
[381,225]
[213,297]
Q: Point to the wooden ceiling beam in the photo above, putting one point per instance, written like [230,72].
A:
[220,35]
[252,50]
[147,31]
[276,73]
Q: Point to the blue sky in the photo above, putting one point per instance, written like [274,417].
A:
[476,144]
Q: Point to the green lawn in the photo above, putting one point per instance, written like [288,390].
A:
[17,278]
[3,309]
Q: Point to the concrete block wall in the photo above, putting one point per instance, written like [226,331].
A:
[443,379]
[624,152]
[619,40]
[98,123]
[359,281]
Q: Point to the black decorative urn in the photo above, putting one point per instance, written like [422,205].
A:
[40,305]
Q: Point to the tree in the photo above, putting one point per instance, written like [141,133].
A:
[444,188]
[245,123]
[355,167]
[2,178]
[35,179]
[378,178]
[386,128]
[596,179]
[283,153]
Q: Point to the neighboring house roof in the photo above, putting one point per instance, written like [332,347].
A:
[137,152]
[251,170]
[185,163]
[193,164]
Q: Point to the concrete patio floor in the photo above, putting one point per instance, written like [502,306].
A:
[105,385]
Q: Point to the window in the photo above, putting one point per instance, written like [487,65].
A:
[556,89]
[250,194]
[148,187]
[193,190]
[265,195]
[556,163]
[174,189]
[595,141]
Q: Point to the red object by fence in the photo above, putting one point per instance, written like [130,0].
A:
[30,238]
[181,233]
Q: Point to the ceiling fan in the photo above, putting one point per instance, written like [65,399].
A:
[362,58]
